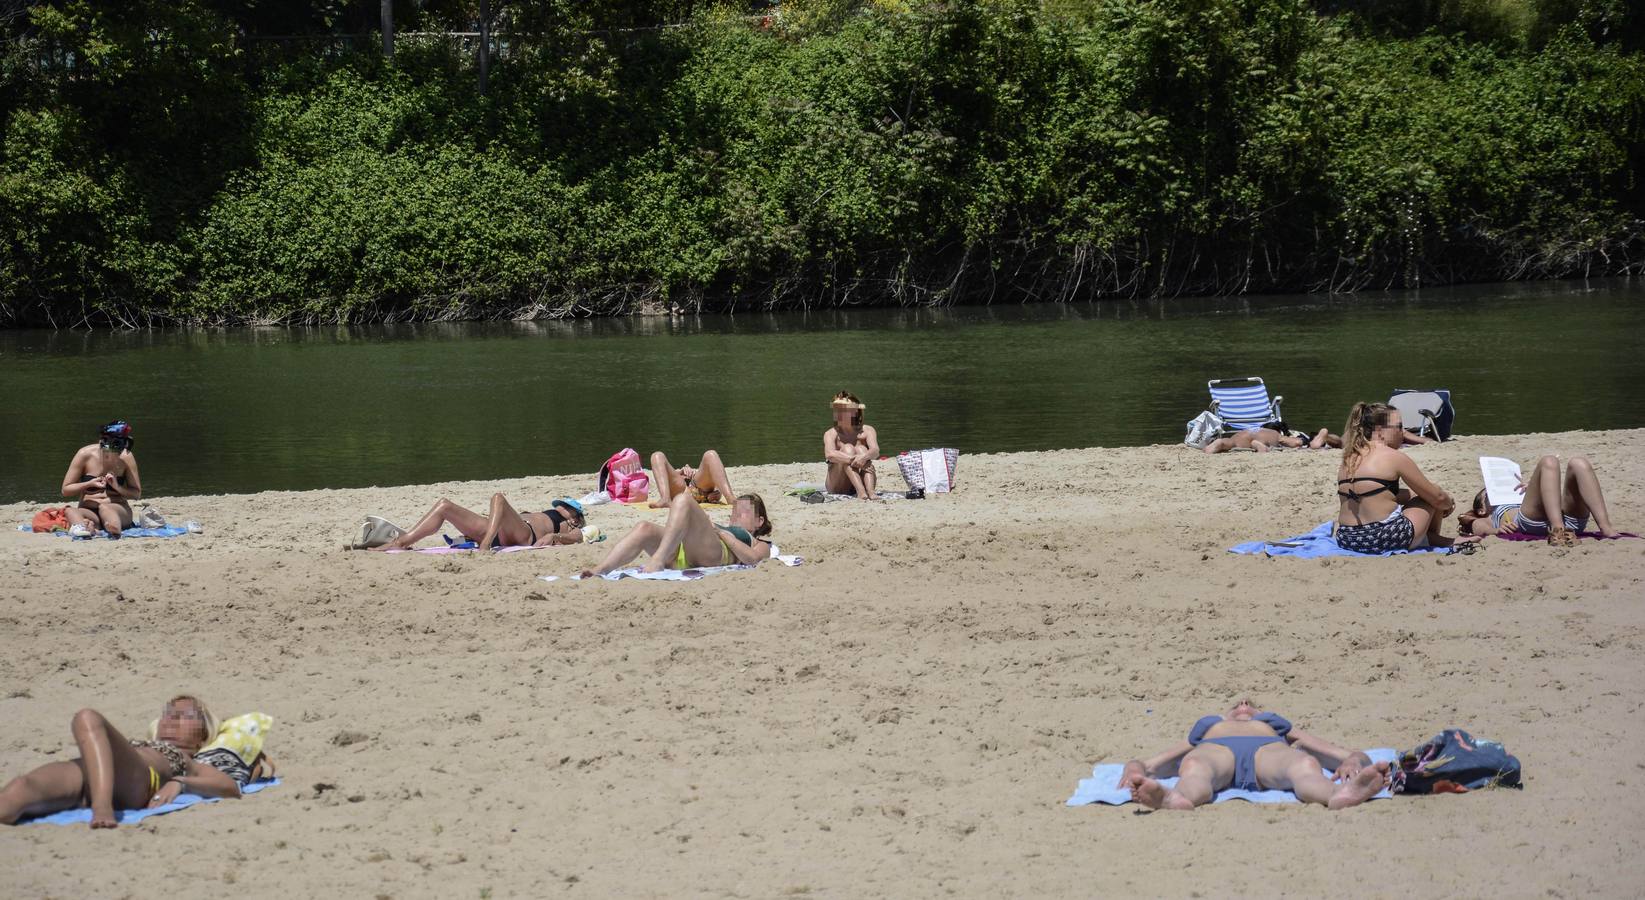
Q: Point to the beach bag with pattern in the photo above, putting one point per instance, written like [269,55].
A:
[623,478]
[930,470]
[1455,762]
[1203,429]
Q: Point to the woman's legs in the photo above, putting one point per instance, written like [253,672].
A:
[870,479]
[1285,768]
[114,517]
[116,775]
[711,477]
[689,527]
[471,524]
[842,479]
[51,788]
[1582,495]
[1206,769]
[84,515]
[666,479]
[1543,501]
[643,538]
[504,523]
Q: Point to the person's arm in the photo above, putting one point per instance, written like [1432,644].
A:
[201,779]
[747,554]
[1412,437]
[1475,524]
[133,489]
[75,482]
[1161,765]
[1422,487]
[1344,762]
[872,439]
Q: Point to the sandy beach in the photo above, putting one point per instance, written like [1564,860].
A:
[904,715]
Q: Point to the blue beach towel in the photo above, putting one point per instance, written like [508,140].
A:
[128,816]
[170,531]
[1315,544]
[1103,785]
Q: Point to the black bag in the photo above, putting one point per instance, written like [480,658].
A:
[1455,762]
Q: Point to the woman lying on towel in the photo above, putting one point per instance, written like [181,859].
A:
[850,448]
[104,476]
[1255,751]
[688,540]
[116,773]
[1553,508]
[1375,515]
[1271,436]
[504,526]
[707,483]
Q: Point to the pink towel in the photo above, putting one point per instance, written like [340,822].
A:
[1585,535]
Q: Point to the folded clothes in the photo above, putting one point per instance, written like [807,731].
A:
[1103,785]
[128,816]
[673,574]
[1317,543]
[169,531]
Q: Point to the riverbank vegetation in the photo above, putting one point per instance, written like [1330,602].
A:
[208,162]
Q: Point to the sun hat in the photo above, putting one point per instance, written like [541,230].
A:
[572,505]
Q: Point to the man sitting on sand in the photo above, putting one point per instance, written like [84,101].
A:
[1255,751]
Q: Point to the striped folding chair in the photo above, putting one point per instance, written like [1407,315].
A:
[1243,403]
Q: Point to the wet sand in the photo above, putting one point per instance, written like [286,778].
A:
[903,715]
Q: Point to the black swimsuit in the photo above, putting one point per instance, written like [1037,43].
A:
[1384,484]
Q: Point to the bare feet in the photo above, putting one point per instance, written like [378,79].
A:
[1152,794]
[1363,786]
[1560,537]
[103,818]
[589,573]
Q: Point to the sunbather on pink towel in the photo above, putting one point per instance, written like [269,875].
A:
[1554,508]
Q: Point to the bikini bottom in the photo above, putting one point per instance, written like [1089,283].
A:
[1245,757]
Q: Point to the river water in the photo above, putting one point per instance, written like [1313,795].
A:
[253,409]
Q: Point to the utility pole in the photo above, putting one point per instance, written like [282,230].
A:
[485,44]
[388,28]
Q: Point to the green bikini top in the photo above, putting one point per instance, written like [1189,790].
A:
[739,533]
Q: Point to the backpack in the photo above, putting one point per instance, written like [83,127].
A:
[623,478]
[1203,429]
[1455,762]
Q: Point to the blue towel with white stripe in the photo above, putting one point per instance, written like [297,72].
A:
[1315,544]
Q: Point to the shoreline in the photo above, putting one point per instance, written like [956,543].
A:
[903,715]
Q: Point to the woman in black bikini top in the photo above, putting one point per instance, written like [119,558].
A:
[502,526]
[103,477]
[1374,515]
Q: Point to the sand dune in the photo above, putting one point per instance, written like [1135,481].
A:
[901,716]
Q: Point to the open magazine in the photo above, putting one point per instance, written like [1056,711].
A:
[1504,484]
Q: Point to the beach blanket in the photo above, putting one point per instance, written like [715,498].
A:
[1103,785]
[170,531]
[672,574]
[466,547]
[128,816]
[646,505]
[1585,535]
[1314,544]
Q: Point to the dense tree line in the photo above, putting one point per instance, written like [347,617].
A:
[216,161]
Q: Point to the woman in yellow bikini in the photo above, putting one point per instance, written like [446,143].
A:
[688,539]
[116,773]
[707,483]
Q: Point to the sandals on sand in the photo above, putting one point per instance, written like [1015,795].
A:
[1561,537]
[375,532]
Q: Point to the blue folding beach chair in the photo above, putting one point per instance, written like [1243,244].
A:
[1242,403]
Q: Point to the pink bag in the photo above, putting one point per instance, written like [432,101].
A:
[623,478]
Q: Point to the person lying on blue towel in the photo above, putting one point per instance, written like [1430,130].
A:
[1253,750]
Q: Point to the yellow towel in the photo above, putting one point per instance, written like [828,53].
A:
[243,735]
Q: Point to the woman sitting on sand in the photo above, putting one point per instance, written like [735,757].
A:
[688,540]
[115,773]
[850,448]
[104,476]
[504,526]
[1375,515]
[1552,508]
[1270,436]
[1255,751]
[707,483]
